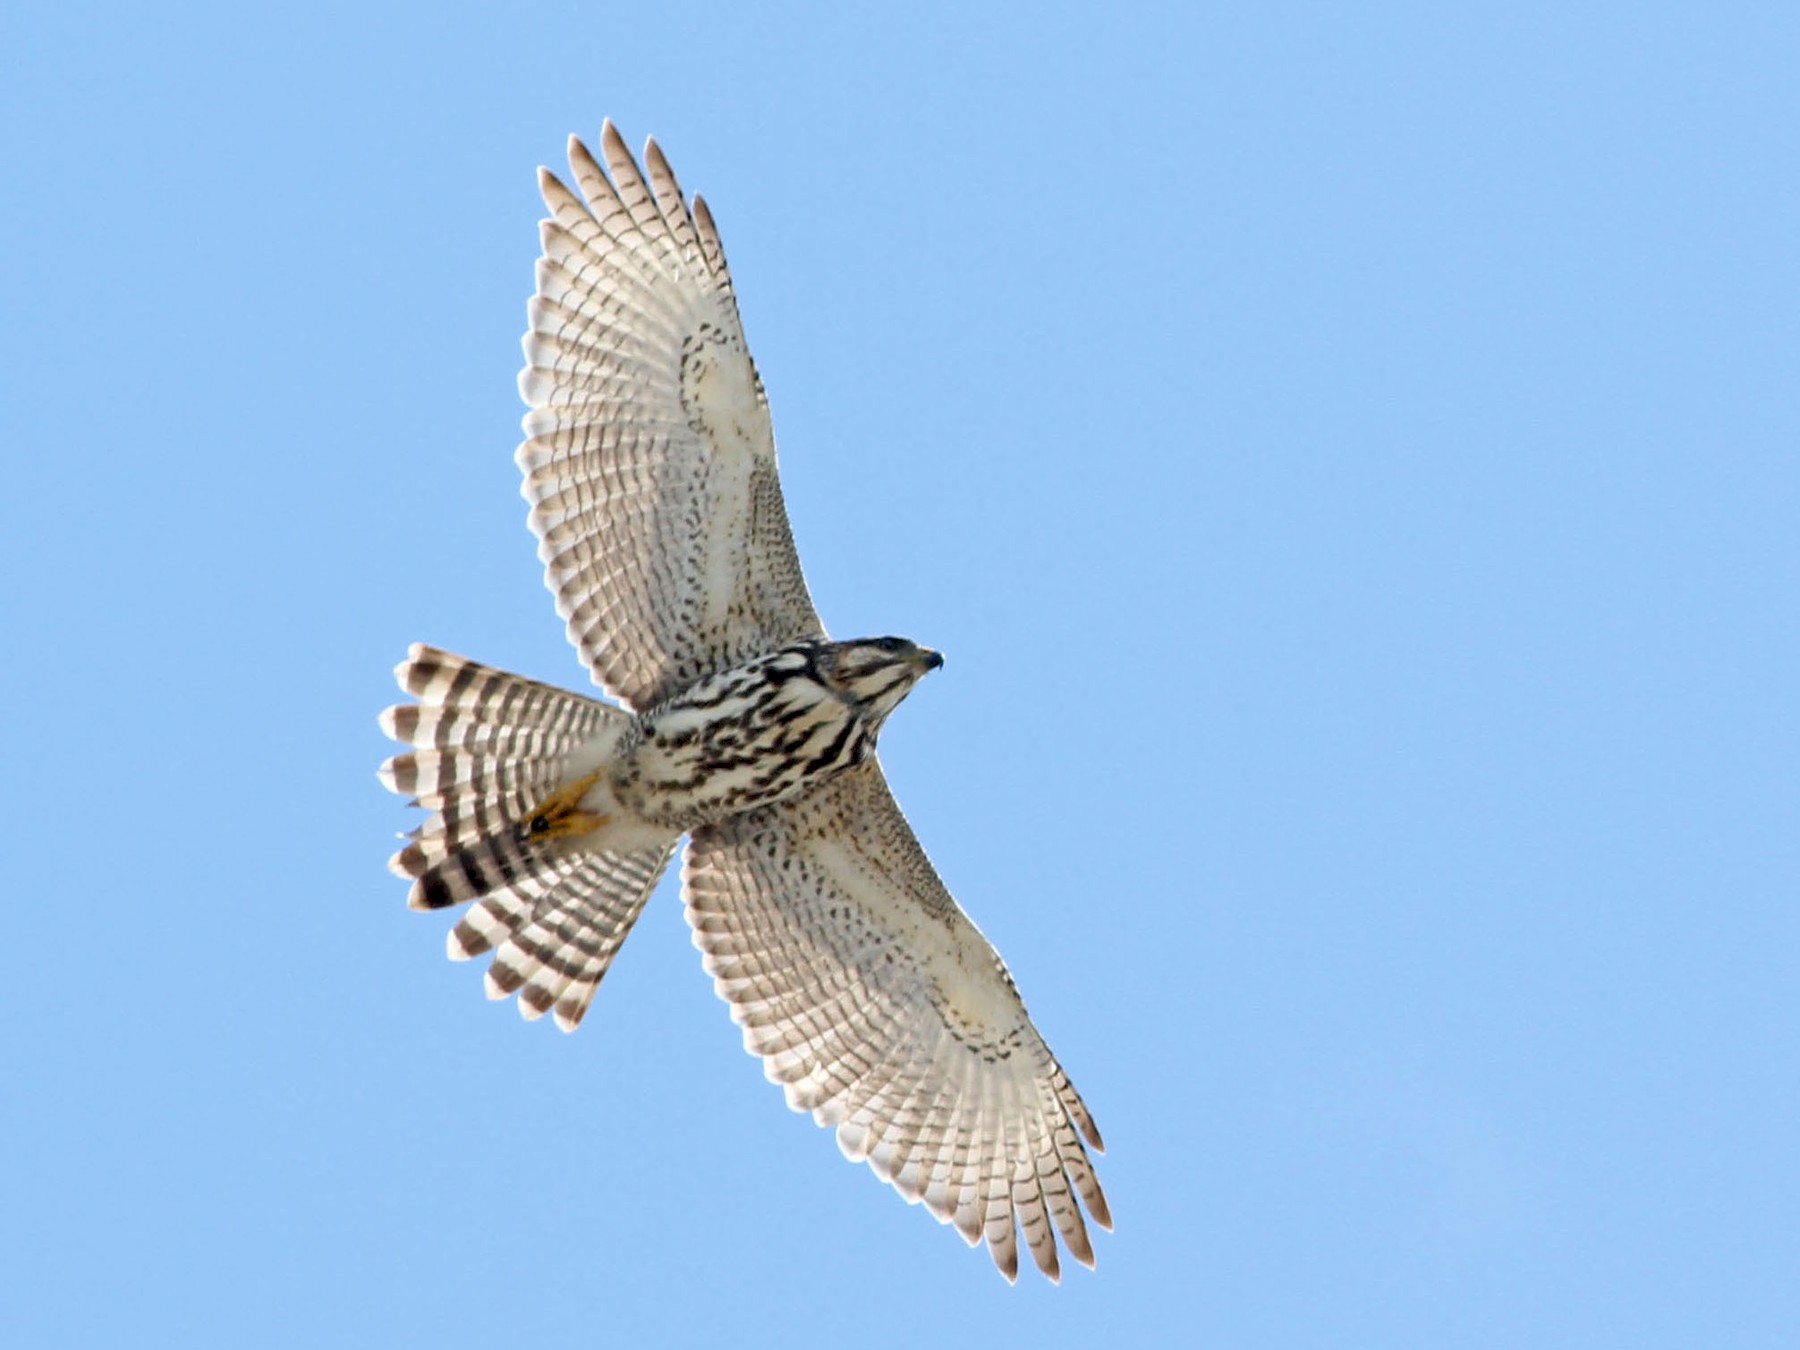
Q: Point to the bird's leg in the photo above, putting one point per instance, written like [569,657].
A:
[559,816]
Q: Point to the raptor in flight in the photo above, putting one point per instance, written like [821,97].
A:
[649,466]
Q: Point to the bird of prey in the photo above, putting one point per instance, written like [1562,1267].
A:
[649,466]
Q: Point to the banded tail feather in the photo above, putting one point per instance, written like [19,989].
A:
[488,745]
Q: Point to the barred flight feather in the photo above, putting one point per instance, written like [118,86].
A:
[881,1010]
[497,743]
[646,416]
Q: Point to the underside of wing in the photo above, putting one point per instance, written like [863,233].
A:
[882,1010]
[649,458]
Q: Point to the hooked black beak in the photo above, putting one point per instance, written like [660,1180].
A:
[929,659]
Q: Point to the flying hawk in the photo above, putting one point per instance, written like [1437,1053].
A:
[649,464]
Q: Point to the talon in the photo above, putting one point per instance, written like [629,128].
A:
[559,816]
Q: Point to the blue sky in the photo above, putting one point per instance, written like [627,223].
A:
[1347,455]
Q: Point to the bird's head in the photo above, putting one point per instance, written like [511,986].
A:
[876,673]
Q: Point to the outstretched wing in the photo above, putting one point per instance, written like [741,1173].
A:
[649,457]
[879,1006]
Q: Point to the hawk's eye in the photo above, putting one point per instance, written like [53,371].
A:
[888,644]
[540,824]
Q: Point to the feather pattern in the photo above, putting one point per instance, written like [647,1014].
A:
[649,458]
[488,745]
[881,1009]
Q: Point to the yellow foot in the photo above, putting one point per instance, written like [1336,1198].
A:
[559,816]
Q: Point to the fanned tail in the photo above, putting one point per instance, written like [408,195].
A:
[487,746]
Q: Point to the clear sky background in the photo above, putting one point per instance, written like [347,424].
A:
[1350,456]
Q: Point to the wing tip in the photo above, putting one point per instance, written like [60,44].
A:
[555,193]
[1098,1208]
